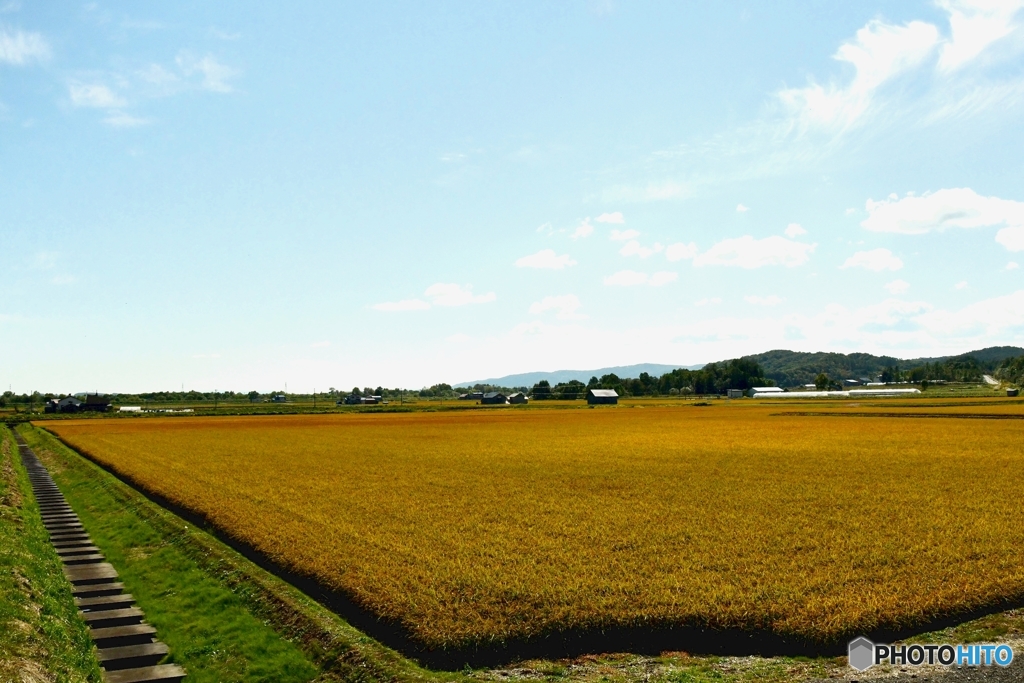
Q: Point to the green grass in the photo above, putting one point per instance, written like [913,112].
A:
[223,618]
[41,635]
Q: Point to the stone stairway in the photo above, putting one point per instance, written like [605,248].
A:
[126,645]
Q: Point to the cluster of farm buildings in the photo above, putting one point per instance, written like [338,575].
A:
[594,397]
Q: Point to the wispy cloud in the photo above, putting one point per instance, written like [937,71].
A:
[21,47]
[565,306]
[740,208]
[897,286]
[632,278]
[94,95]
[615,217]
[874,259]
[623,235]
[634,248]
[403,305]
[445,294]
[974,26]
[680,251]
[794,230]
[584,229]
[215,76]
[747,252]
[545,259]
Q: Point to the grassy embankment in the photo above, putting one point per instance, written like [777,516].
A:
[223,618]
[41,636]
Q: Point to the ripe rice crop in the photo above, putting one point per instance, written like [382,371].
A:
[478,526]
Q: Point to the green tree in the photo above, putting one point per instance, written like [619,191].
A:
[541,390]
[822,382]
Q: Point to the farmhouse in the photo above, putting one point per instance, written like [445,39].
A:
[68,404]
[518,398]
[735,393]
[494,398]
[279,398]
[97,402]
[598,396]
[471,396]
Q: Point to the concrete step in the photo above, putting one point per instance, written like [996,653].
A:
[113,617]
[97,589]
[94,573]
[104,602]
[123,636]
[131,656]
[164,673]
[81,560]
[72,543]
[80,550]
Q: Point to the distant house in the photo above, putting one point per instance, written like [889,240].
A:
[735,393]
[357,400]
[494,398]
[602,396]
[756,392]
[471,396]
[1012,392]
[69,404]
[518,398]
[99,403]
[852,382]
[279,398]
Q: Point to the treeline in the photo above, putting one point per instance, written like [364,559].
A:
[1011,370]
[713,378]
[796,368]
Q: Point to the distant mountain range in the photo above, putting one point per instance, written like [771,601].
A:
[787,368]
[528,379]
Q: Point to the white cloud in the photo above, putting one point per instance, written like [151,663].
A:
[546,259]
[946,209]
[713,301]
[626,278]
[623,235]
[444,294]
[875,259]
[770,300]
[794,230]
[1012,265]
[960,285]
[1012,238]
[878,53]
[897,286]
[320,345]
[584,229]
[19,48]
[974,25]
[631,278]
[611,218]
[747,252]
[440,294]
[680,251]
[633,248]
[94,95]
[662,277]
[404,305]
[119,119]
[215,75]
[742,209]
[458,338]
[565,306]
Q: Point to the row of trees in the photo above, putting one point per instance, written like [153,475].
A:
[713,378]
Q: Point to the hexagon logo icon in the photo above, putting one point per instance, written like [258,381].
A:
[861,653]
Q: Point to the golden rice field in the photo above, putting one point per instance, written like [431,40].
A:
[476,526]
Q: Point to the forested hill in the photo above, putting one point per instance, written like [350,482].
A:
[793,368]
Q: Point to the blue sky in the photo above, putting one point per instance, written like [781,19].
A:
[228,196]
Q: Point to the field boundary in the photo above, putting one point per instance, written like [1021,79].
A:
[919,416]
[646,639]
